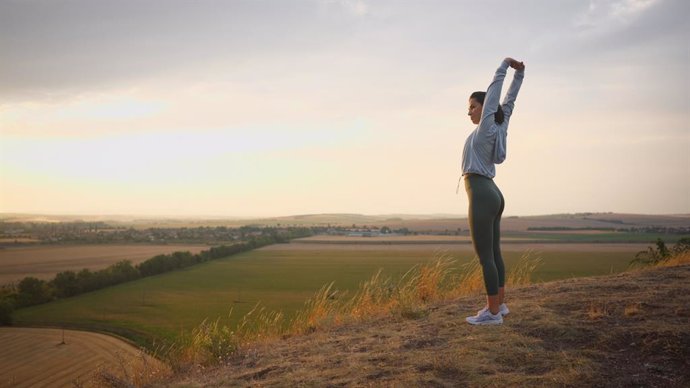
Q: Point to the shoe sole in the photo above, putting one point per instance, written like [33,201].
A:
[502,314]
[484,323]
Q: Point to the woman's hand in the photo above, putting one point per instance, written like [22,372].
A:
[515,64]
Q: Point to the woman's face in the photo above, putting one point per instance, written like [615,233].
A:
[475,111]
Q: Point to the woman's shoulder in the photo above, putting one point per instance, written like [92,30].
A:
[489,130]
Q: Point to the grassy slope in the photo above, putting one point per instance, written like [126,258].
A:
[597,331]
[162,306]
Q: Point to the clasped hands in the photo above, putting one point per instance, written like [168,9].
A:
[519,66]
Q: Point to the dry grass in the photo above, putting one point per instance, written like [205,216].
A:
[522,272]
[549,339]
[632,309]
[140,371]
[598,310]
[677,259]
[408,298]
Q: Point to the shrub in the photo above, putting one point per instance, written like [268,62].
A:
[6,309]
[660,253]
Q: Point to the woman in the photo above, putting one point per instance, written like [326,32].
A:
[485,147]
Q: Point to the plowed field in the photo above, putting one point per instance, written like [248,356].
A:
[45,261]
[38,358]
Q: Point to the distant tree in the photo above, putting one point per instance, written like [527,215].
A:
[6,309]
[122,271]
[86,281]
[148,267]
[404,231]
[32,291]
[66,284]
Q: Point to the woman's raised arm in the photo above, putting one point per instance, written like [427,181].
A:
[493,96]
[509,100]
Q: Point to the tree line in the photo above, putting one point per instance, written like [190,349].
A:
[99,232]
[32,291]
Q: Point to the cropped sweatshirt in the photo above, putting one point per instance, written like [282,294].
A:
[486,145]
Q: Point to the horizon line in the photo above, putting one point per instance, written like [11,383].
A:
[235,217]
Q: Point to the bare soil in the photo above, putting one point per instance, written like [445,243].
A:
[45,261]
[39,358]
[625,330]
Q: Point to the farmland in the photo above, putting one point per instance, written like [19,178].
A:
[164,308]
[418,223]
[282,277]
[44,261]
[38,357]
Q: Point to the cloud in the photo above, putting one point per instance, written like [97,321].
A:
[639,32]
[630,8]
[356,7]
[57,49]
[604,14]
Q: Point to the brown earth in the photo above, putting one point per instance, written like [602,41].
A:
[38,358]
[625,330]
[45,261]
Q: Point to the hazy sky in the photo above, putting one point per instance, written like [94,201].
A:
[258,108]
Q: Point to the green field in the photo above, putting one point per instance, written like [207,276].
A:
[163,306]
[599,237]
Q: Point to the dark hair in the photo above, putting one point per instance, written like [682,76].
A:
[498,116]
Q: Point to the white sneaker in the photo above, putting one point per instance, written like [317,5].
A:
[503,309]
[484,317]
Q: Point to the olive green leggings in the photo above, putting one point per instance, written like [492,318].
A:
[486,208]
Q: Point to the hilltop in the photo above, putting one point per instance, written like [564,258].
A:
[628,329]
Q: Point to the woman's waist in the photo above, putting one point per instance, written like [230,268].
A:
[469,175]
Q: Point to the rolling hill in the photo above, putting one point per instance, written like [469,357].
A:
[628,329]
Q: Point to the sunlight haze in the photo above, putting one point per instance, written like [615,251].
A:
[270,108]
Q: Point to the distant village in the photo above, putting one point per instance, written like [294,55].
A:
[23,233]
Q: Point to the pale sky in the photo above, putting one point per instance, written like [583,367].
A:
[270,108]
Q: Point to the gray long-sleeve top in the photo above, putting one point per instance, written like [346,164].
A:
[486,145]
